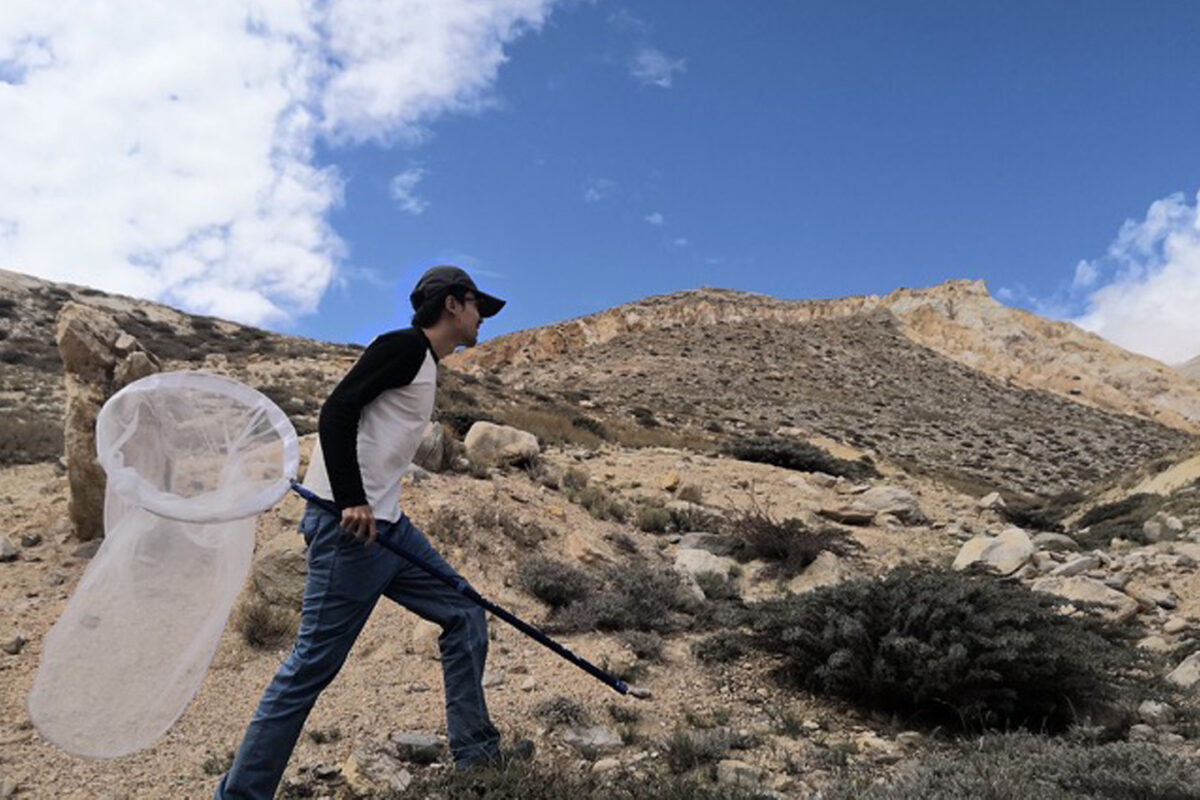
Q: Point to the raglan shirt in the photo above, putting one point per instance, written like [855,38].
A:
[373,422]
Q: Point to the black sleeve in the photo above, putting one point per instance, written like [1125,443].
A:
[390,361]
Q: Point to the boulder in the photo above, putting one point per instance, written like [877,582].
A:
[694,562]
[731,772]
[825,570]
[417,747]
[1005,553]
[891,500]
[8,550]
[280,570]
[1078,589]
[992,501]
[433,453]
[1187,674]
[98,359]
[489,445]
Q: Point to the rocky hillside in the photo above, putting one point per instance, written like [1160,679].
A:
[958,319]
[292,371]
[1190,368]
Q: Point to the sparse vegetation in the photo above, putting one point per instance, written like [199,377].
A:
[686,751]
[653,519]
[797,455]
[265,626]
[635,597]
[560,711]
[1028,767]
[789,545]
[553,582]
[939,647]
[28,441]
[1122,519]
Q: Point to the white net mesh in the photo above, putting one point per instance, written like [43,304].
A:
[191,459]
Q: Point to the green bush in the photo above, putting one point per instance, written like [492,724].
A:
[939,647]
[553,582]
[1040,513]
[653,519]
[685,751]
[789,545]
[801,456]
[1122,519]
[720,648]
[1027,767]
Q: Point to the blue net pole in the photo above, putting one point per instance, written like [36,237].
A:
[462,587]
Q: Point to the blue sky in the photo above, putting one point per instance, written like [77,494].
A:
[802,149]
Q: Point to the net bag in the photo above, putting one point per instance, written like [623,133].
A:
[191,459]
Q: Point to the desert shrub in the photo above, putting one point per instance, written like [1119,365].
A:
[265,626]
[944,648]
[1040,513]
[717,585]
[695,518]
[522,531]
[635,597]
[7,307]
[623,714]
[531,781]
[1122,519]
[574,479]
[29,441]
[1022,766]
[551,426]
[801,456]
[691,493]
[646,645]
[685,751]
[460,419]
[653,519]
[560,711]
[553,582]
[600,503]
[789,545]
[589,424]
[448,524]
[720,648]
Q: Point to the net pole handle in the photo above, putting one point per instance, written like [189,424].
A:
[461,586]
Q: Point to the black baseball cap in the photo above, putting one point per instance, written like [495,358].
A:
[437,280]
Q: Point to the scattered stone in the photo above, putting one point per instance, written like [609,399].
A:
[529,684]
[31,539]
[992,501]
[1187,674]
[1156,713]
[1055,542]
[1079,589]
[1175,625]
[1155,644]
[669,482]
[1162,528]
[14,645]
[88,549]
[848,515]
[488,444]
[417,747]
[424,639]
[909,740]
[731,772]
[640,692]
[594,741]
[893,500]
[1142,733]
[55,579]
[1076,566]
[715,543]
[1150,598]
[374,768]
[493,678]
[825,570]
[606,765]
[8,550]
[8,788]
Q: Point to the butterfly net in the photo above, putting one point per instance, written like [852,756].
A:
[191,459]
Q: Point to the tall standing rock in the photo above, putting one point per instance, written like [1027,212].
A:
[98,359]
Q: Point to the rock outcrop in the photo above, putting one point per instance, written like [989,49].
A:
[98,360]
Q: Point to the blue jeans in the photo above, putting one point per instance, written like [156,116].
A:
[345,579]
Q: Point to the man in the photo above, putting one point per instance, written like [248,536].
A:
[369,430]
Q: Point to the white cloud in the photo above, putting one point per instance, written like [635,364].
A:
[1086,274]
[596,189]
[403,190]
[653,67]
[680,241]
[655,218]
[166,150]
[1149,302]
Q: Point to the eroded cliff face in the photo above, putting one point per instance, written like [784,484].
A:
[958,319]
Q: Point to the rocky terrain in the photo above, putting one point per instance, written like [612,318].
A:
[1190,368]
[630,478]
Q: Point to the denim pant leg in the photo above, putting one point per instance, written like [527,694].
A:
[344,582]
[464,642]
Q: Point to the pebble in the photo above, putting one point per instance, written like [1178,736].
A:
[642,693]
[529,684]
[8,550]
[31,539]
[1175,625]
[8,788]
[14,645]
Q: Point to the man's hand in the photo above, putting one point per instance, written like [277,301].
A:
[359,522]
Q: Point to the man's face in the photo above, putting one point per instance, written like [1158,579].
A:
[468,320]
